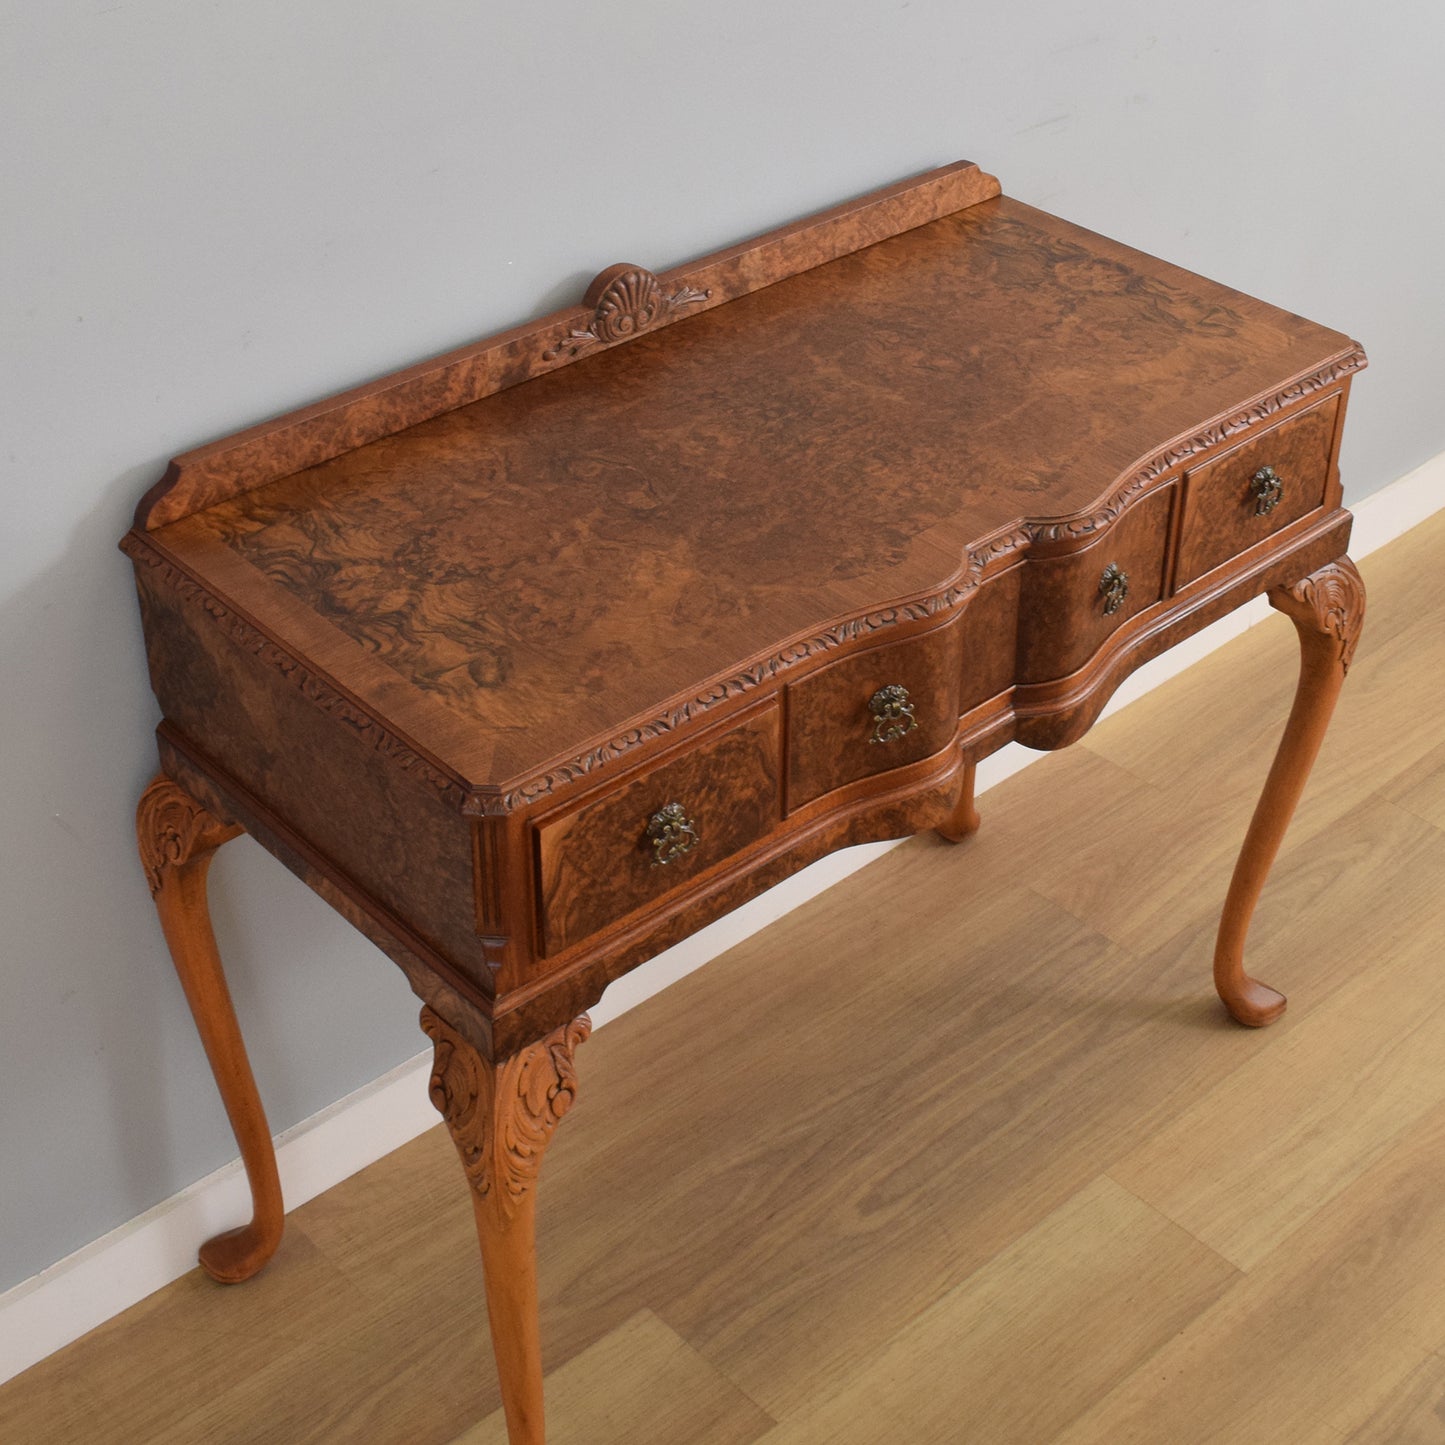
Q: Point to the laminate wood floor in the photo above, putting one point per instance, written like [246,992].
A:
[1017,1180]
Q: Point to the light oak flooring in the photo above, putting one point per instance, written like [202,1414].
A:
[962,1151]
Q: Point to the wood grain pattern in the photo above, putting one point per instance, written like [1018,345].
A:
[1248,1177]
[664,1393]
[542,676]
[962,1368]
[431,975]
[1413,1414]
[1063,620]
[745,492]
[1057,713]
[331,618]
[1323,1334]
[830,725]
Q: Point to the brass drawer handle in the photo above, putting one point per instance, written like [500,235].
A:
[1267,488]
[892,714]
[1113,587]
[672,833]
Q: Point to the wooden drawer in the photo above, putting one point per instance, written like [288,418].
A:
[1223,513]
[835,736]
[1065,613]
[597,862]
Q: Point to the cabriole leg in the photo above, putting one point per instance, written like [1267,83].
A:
[177,838]
[964,820]
[1328,611]
[501,1118]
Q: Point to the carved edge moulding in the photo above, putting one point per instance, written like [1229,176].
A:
[1008,545]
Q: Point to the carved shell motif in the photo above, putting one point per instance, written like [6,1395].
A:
[629,305]
[626,301]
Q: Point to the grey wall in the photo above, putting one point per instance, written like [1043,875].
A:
[215,212]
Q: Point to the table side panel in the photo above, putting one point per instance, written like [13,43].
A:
[378,823]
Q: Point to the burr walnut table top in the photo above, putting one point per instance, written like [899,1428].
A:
[523,577]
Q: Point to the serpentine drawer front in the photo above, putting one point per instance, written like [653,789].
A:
[1073,603]
[532,670]
[874,711]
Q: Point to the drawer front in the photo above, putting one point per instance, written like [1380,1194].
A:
[1248,493]
[1071,604]
[617,852]
[846,722]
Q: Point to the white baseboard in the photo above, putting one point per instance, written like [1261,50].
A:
[110,1274]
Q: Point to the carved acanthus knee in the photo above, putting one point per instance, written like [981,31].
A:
[502,1118]
[172,829]
[1330,601]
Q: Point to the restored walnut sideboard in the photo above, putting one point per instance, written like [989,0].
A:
[536,657]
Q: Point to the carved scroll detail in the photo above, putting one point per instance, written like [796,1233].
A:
[1333,599]
[502,1119]
[627,301]
[171,828]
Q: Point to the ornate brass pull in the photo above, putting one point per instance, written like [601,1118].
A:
[672,833]
[1267,488]
[1113,587]
[892,714]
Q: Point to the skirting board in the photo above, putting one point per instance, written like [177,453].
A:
[86,1288]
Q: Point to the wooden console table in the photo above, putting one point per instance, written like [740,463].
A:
[537,657]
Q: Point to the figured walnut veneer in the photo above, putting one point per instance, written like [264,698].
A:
[1222,514]
[536,658]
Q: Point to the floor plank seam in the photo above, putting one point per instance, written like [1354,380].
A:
[719,1368]
[1239,1270]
